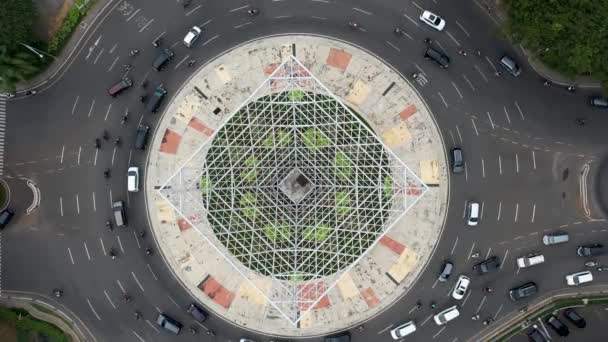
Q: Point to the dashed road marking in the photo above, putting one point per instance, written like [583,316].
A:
[75,103]
[120,244]
[475,127]
[491,122]
[457,90]
[132,15]
[463,30]
[393,46]
[516,211]
[86,249]
[454,247]
[91,108]
[362,11]
[533,212]
[238,8]
[92,309]
[410,19]
[147,24]
[481,73]
[153,275]
[507,115]
[533,160]
[454,39]
[137,281]
[459,136]
[439,332]
[71,257]
[516,163]
[499,164]
[520,111]
[480,304]
[483,169]
[109,300]
[469,82]
[443,100]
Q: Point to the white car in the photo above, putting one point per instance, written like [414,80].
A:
[192,36]
[579,278]
[133,179]
[446,315]
[461,287]
[530,260]
[432,20]
[403,330]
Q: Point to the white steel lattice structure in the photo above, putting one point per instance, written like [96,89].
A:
[293,189]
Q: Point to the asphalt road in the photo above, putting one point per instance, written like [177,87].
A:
[524,160]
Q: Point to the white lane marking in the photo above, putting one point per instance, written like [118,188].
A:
[483,168]
[415,4]
[533,212]
[180,62]
[481,211]
[323,1]
[491,64]
[95,157]
[454,39]
[194,9]
[113,155]
[86,249]
[435,283]
[320,18]
[121,287]
[516,211]
[491,122]
[111,198]
[464,209]
[469,82]
[390,326]
[238,8]
[489,251]
[70,253]
[109,300]
[475,127]
[113,63]
[75,103]
[499,210]
[135,236]
[480,304]
[533,160]
[94,206]
[132,15]
[205,23]
[466,298]
[103,247]
[210,40]
[507,115]
[466,172]
[426,320]
[463,30]
[244,24]
[497,312]
[108,112]
[79,150]
[412,20]
[152,326]
[442,99]
[120,244]
[504,259]
[92,309]
[98,55]
[139,337]
[520,112]
[471,251]
[91,108]
[499,165]
[61,205]
[454,247]
[481,73]
[137,281]
[362,11]
[459,136]
[516,163]
[153,275]
[144,27]
[77,205]
[393,46]
[62,152]
[439,332]
[174,302]
[453,139]
[283,16]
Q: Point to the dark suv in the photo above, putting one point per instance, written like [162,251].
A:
[590,250]
[119,87]
[156,99]
[575,318]
[560,328]
[437,57]
[164,56]
[487,266]
[446,271]
[5,217]
[457,160]
[523,291]
[142,137]
[535,335]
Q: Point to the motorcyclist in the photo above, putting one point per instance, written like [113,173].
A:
[253,11]
[137,315]
[418,304]
[97,143]
[191,62]
[112,253]
[127,298]
[149,251]
[106,173]
[134,52]
[353,24]
[117,141]
[58,293]
[109,225]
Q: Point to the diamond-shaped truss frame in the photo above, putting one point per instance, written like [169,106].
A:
[229,189]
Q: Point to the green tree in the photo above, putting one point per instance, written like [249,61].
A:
[16,22]
[14,68]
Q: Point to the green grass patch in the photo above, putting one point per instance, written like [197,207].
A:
[342,203]
[70,23]
[205,185]
[31,329]
[248,205]
[314,139]
[343,166]
[388,187]
[280,139]
[277,232]
[250,174]
[295,95]
[318,233]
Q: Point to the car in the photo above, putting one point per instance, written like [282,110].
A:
[446,270]
[575,318]
[599,101]
[163,57]
[338,338]
[168,323]
[489,265]
[192,36]
[446,315]
[457,160]
[5,217]
[461,287]
[535,335]
[579,278]
[244,339]
[141,138]
[120,218]
[530,260]
[197,313]
[133,179]
[560,328]
[403,330]
[472,213]
[510,65]
[437,57]
[555,238]
[523,291]
[119,87]
[590,250]
[156,99]
[432,20]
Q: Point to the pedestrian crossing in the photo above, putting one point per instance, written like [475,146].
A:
[2,132]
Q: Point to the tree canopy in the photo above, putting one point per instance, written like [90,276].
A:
[570,36]
[16,22]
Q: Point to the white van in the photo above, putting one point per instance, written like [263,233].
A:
[133,179]
[555,238]
[530,260]
[579,278]
[403,330]
[472,214]
[446,315]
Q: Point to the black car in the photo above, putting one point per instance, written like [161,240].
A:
[437,57]
[457,160]
[5,217]
[156,99]
[523,291]
[142,137]
[164,56]
[197,313]
[535,335]
[487,266]
[590,250]
[446,270]
[560,328]
[575,318]
[598,101]
[338,338]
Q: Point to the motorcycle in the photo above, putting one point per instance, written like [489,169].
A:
[253,12]
[353,24]
[109,225]
[133,52]
[97,143]
[591,263]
